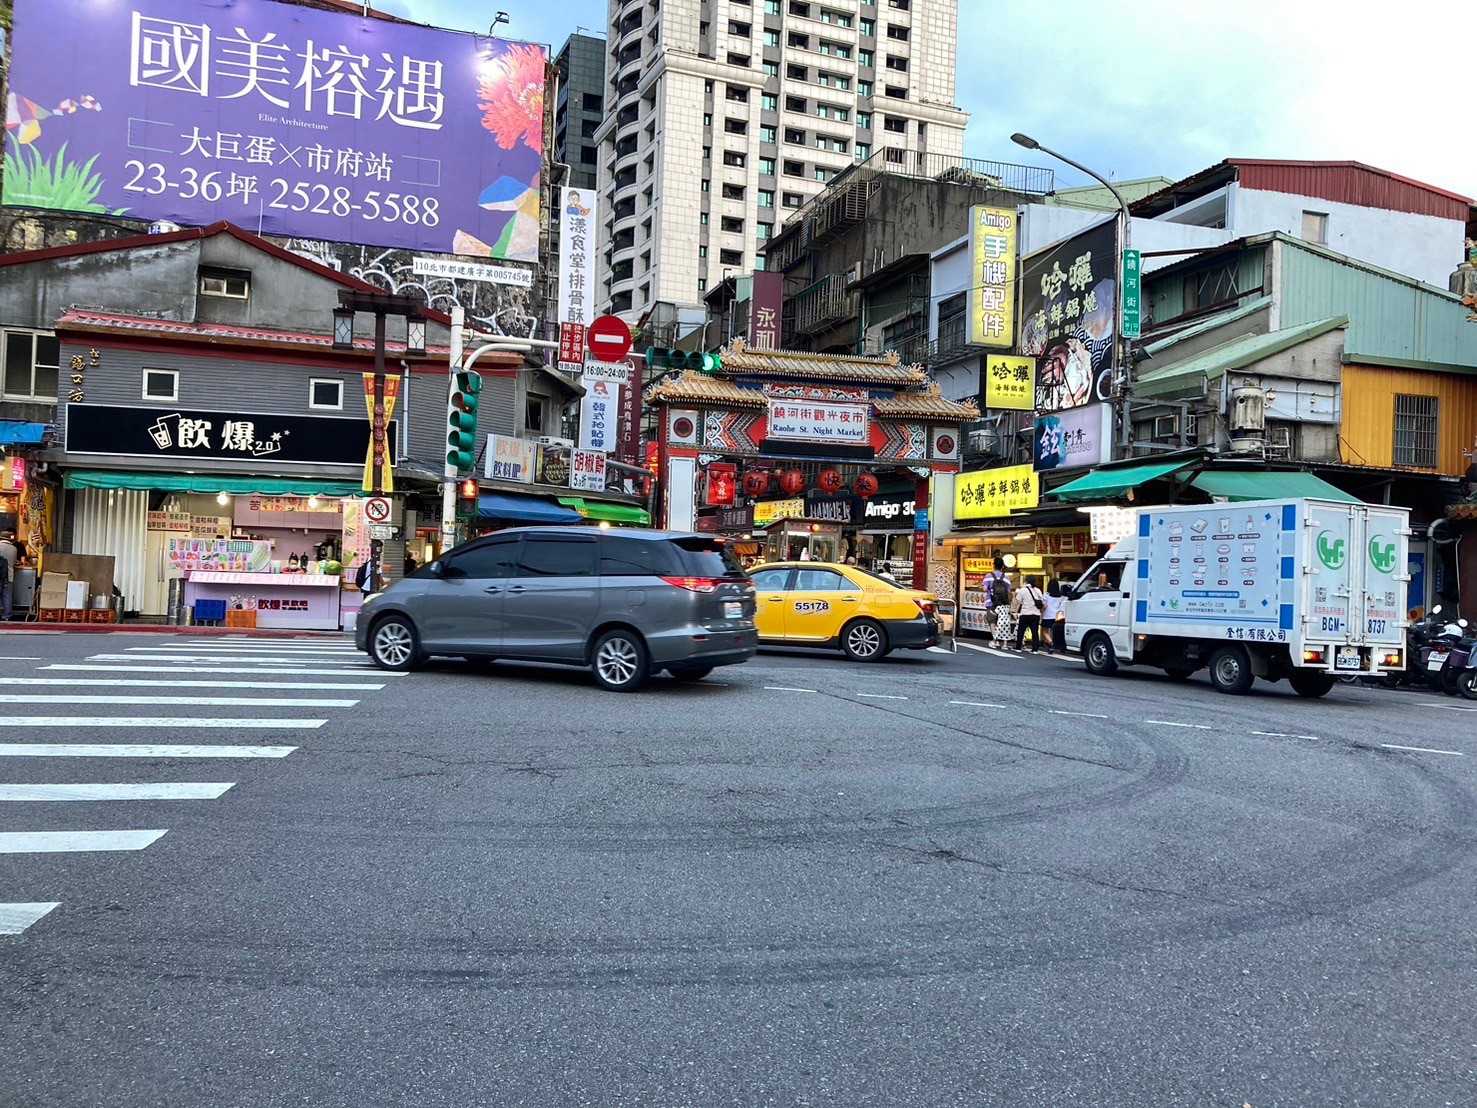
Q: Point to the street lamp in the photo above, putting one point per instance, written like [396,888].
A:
[381,305]
[1124,353]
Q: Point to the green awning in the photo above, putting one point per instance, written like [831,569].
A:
[1268,485]
[611,513]
[1102,483]
[210,483]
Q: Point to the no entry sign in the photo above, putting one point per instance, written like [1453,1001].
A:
[610,339]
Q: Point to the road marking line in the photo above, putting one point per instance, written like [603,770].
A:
[156,790]
[1449,707]
[1172,723]
[183,701]
[974,646]
[1285,735]
[158,721]
[977,704]
[15,918]
[148,683]
[786,688]
[138,750]
[880,696]
[938,650]
[21,658]
[286,652]
[65,842]
[285,660]
[1422,749]
[1087,715]
[213,669]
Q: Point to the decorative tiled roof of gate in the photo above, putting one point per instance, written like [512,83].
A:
[929,404]
[741,360]
[692,387]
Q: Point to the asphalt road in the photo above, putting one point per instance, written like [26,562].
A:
[940,880]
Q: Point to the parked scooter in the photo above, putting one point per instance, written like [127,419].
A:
[1448,678]
[1466,682]
[1420,636]
[1438,651]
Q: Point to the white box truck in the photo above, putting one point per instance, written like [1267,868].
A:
[1303,589]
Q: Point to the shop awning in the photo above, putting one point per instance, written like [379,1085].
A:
[603,510]
[1115,482]
[1268,485]
[524,509]
[21,434]
[210,483]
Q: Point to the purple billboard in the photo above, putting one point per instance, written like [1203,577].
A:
[284,120]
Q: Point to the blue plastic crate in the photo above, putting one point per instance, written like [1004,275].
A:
[210,611]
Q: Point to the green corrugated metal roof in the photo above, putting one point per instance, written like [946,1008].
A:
[1241,311]
[209,483]
[1102,483]
[1268,485]
[1187,379]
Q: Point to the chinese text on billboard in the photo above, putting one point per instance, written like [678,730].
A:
[990,314]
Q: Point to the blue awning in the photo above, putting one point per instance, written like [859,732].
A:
[524,509]
[21,434]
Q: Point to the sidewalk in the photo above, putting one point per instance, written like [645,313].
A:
[167,629]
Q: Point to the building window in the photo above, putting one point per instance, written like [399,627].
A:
[820,173]
[769,102]
[771,69]
[743,61]
[794,169]
[707,119]
[771,38]
[707,186]
[593,102]
[758,263]
[766,198]
[734,158]
[707,153]
[702,284]
[324,392]
[840,19]
[734,224]
[1315,227]
[161,384]
[900,5]
[797,72]
[31,366]
[864,88]
[234,284]
[768,134]
[863,151]
[731,257]
[793,200]
[866,58]
[743,30]
[900,34]
[896,124]
[796,104]
[533,414]
[736,93]
[733,192]
[766,167]
[835,49]
[798,41]
[795,135]
[702,251]
[864,120]
[771,7]
[868,27]
[833,80]
[896,64]
[951,323]
[762,231]
[736,126]
[1415,431]
[797,8]
[702,219]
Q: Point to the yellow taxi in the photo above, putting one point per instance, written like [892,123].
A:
[838,606]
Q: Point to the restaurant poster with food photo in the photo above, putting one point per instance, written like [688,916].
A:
[1067,318]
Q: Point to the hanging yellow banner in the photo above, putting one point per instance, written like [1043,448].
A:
[990,304]
[379,458]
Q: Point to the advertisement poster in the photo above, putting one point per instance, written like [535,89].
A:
[1067,310]
[1010,383]
[233,555]
[551,465]
[1074,437]
[995,492]
[284,119]
[990,308]
[600,416]
[973,596]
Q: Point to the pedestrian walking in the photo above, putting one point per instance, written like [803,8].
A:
[1054,617]
[1028,605]
[997,607]
[9,556]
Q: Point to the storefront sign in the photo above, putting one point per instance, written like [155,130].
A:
[807,421]
[571,347]
[721,484]
[379,458]
[734,519]
[1010,383]
[290,504]
[12,474]
[509,459]
[206,527]
[896,508]
[770,511]
[587,470]
[167,521]
[600,413]
[233,555]
[79,365]
[298,122]
[259,440]
[1075,437]
[990,309]
[1068,304]
[765,308]
[628,433]
[551,465]
[995,492]
[1064,542]
[834,509]
[577,224]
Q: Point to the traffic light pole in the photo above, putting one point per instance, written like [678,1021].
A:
[448,477]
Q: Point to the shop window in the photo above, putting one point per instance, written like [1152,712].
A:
[233,284]
[31,366]
[161,384]
[326,393]
[1416,431]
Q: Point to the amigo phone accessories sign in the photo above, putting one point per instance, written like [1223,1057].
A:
[284,119]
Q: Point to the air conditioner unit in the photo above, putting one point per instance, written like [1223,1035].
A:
[550,440]
[983,442]
[854,274]
[1166,427]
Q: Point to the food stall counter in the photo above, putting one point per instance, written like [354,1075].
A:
[296,601]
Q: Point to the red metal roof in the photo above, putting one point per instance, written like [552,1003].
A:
[93,322]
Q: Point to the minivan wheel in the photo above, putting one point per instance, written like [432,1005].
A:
[695,673]
[393,644]
[1230,670]
[619,661]
[1098,655]
[864,641]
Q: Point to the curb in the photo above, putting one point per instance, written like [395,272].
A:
[167,629]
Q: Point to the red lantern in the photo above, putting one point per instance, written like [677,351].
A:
[830,481]
[756,482]
[721,484]
[865,486]
[792,481]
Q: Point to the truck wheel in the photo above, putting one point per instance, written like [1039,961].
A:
[1311,685]
[1230,670]
[1097,652]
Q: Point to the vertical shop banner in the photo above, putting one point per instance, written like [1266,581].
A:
[1076,437]
[286,119]
[991,301]
[355,535]
[379,459]
[628,438]
[1068,304]
[587,470]
[600,416]
[577,224]
[764,310]
[1010,383]
[571,346]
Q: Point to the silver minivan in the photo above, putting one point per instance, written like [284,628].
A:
[625,603]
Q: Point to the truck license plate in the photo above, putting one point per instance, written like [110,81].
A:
[1436,660]
[1347,658]
[733,609]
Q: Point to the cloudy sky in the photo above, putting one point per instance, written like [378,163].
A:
[1137,88]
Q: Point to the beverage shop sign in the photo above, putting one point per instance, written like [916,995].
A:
[258,438]
[293,121]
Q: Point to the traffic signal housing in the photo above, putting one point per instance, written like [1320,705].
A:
[461,422]
[657,358]
[466,498]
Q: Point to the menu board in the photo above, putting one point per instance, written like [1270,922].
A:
[973,595]
[231,555]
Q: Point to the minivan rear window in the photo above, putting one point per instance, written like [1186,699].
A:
[706,558]
[632,557]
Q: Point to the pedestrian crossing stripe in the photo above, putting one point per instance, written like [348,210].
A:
[15,918]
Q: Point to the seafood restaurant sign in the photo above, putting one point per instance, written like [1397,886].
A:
[285,120]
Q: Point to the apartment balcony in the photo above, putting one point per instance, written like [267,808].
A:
[824,303]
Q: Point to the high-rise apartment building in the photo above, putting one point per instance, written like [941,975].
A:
[579,107]
[722,116]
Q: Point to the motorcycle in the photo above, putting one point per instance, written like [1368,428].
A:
[1420,637]
[1438,650]
[1466,679]
[1449,677]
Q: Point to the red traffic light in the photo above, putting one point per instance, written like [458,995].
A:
[468,489]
